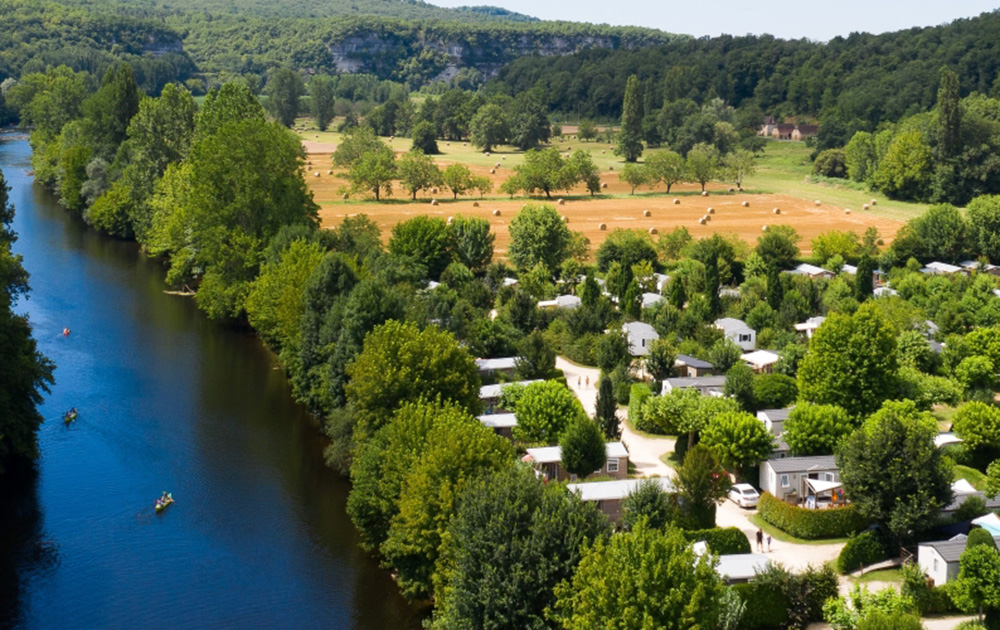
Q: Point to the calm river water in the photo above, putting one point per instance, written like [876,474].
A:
[258,536]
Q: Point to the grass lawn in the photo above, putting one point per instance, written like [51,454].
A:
[882,575]
[973,476]
[945,415]
[671,459]
[785,168]
[777,534]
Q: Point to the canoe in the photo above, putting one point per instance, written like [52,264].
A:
[162,505]
[70,417]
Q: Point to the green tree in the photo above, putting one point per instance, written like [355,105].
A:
[581,168]
[666,167]
[816,429]
[544,170]
[949,113]
[648,502]
[472,241]
[660,359]
[630,136]
[458,179]
[511,541]
[112,107]
[604,585]
[738,165]
[779,247]
[528,120]
[724,354]
[978,424]
[381,464]
[701,484]
[587,130]
[582,446]
[774,391]
[538,235]
[892,470]
[457,450]
[544,410]
[738,439]
[905,171]
[984,225]
[24,372]
[426,239]
[275,304]
[321,99]
[536,356]
[400,363]
[977,588]
[851,362]
[740,386]
[284,92]
[607,409]
[993,479]
[356,143]
[489,127]
[424,135]
[417,172]
[373,172]
[703,163]
[213,216]
[635,176]
[860,157]
[864,280]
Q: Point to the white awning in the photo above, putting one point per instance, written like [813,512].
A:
[946,438]
[819,485]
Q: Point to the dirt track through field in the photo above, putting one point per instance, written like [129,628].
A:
[728,215]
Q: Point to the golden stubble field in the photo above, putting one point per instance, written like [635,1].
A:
[614,209]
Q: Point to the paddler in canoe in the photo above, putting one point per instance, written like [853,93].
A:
[70,415]
[165,499]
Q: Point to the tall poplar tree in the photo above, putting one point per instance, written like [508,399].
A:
[949,114]
[630,137]
[321,99]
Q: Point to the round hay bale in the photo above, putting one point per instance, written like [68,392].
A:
[434,190]
[392,137]
[847,211]
[731,189]
[864,206]
[493,171]
[602,227]
[329,172]
[739,189]
[746,204]
[487,154]
[465,144]
[776,211]
[447,144]
[704,193]
[503,157]
[653,231]
[611,146]
[497,165]
[316,174]
[874,202]
[647,213]
[475,204]
[677,202]
[701,221]
[611,168]
[309,163]
[450,220]
[604,185]
[316,136]
[561,202]
[346,197]
[711,210]
[707,218]
[434,202]
[818,202]
[603,151]
[496,213]
[565,219]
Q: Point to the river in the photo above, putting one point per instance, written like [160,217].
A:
[258,536]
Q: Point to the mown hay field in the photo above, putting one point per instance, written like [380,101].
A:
[781,168]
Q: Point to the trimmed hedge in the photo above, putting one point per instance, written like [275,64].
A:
[637,396]
[766,607]
[721,540]
[810,524]
[860,551]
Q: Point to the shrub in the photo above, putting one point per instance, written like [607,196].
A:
[860,551]
[820,585]
[930,600]
[878,620]
[765,607]
[830,163]
[974,506]
[777,598]
[637,396]
[979,536]
[721,540]
[810,524]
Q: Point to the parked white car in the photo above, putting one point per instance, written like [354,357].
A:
[744,495]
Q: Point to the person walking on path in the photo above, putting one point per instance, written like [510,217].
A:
[769,542]
[760,540]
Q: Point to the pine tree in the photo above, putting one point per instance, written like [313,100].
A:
[606,409]
[630,137]
[775,292]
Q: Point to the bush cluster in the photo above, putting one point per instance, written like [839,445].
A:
[860,551]
[721,540]
[779,599]
[637,396]
[810,524]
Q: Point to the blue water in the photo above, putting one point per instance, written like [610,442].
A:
[257,538]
